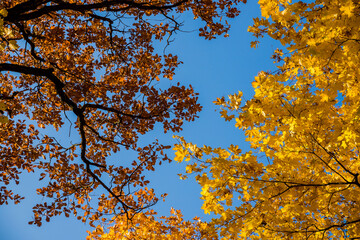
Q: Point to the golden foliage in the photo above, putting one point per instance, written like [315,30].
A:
[301,178]
[148,226]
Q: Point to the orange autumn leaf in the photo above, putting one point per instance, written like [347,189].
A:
[91,68]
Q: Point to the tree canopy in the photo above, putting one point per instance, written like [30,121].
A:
[91,67]
[300,180]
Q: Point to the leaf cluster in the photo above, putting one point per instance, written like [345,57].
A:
[91,68]
[301,178]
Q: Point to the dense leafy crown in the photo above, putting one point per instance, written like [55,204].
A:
[301,178]
[90,68]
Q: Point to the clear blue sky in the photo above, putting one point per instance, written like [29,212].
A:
[214,68]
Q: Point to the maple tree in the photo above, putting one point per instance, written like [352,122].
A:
[91,67]
[149,226]
[300,180]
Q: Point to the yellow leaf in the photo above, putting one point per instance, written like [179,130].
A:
[3,12]
[348,8]
[13,45]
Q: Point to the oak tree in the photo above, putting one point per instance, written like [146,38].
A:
[90,67]
[300,180]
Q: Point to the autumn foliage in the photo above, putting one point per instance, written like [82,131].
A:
[148,226]
[300,180]
[90,68]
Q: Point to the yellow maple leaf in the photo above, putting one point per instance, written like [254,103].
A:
[348,8]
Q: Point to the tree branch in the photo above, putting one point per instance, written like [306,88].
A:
[26,11]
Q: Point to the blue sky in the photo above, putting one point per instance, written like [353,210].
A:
[214,68]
